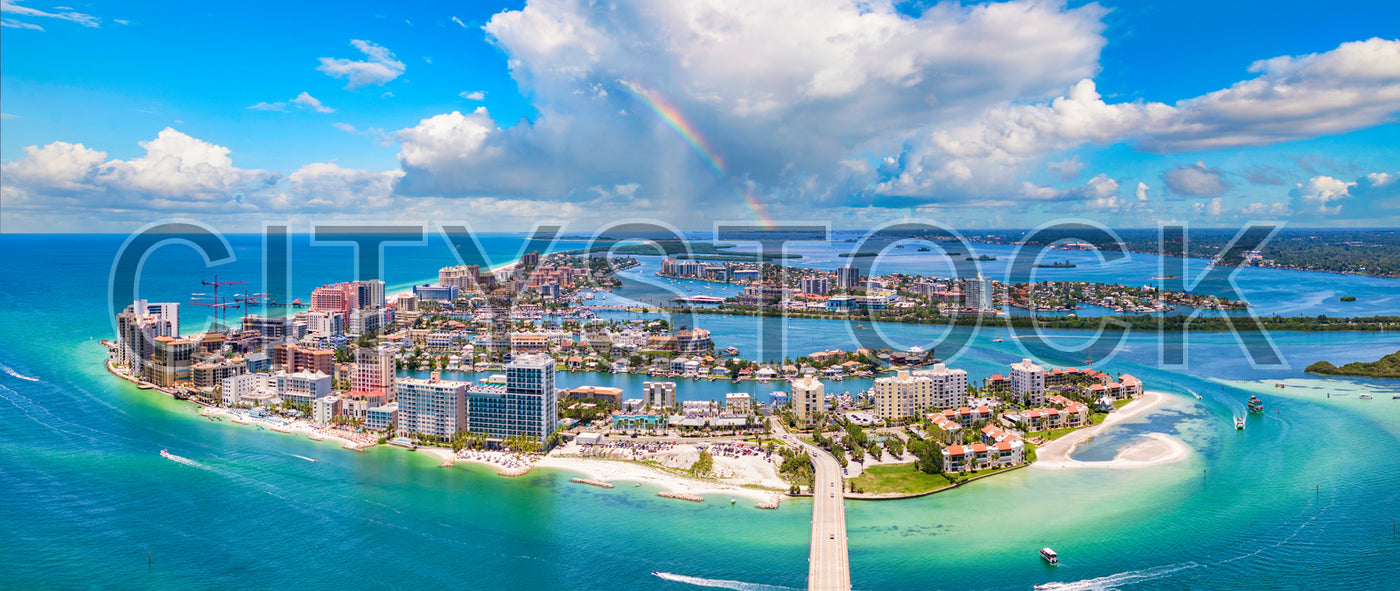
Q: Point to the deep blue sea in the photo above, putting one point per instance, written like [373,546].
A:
[1306,497]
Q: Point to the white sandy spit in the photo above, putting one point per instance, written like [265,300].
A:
[1159,449]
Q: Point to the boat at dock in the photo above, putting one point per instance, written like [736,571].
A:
[1049,556]
[1255,404]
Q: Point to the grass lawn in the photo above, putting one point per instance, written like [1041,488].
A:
[1052,434]
[898,478]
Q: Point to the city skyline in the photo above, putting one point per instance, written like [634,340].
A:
[997,115]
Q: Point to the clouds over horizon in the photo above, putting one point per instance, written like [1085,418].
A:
[831,108]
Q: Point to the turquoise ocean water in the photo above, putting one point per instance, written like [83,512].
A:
[1305,497]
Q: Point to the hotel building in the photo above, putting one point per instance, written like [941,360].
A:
[526,405]
[374,371]
[433,407]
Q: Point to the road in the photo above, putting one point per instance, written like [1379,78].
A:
[829,566]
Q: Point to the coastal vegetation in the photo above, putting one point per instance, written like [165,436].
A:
[1385,367]
[1172,323]
[1367,252]
[704,465]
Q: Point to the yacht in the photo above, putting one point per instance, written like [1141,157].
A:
[1239,423]
[1049,556]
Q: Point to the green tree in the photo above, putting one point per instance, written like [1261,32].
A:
[703,465]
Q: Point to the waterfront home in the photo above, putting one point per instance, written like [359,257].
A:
[981,456]
[994,434]
[1132,387]
[1104,404]
[967,415]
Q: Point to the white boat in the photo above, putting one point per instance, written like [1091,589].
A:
[1049,556]
[1239,423]
[164,453]
[1365,396]
[996,340]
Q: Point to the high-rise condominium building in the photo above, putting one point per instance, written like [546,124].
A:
[808,399]
[848,277]
[374,371]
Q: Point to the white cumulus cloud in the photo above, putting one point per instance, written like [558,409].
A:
[380,67]
[306,101]
[1196,180]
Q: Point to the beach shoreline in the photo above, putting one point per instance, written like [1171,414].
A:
[1160,448]
[614,471]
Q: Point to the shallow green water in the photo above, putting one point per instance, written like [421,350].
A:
[1303,498]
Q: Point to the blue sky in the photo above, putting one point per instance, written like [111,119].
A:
[977,115]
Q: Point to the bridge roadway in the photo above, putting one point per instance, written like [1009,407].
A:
[829,567]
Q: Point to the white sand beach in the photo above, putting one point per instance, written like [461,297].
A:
[615,471]
[1161,448]
[736,474]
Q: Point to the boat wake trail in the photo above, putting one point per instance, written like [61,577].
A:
[721,583]
[13,373]
[303,457]
[186,461]
[1118,580]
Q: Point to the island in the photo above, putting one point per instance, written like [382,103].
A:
[1385,367]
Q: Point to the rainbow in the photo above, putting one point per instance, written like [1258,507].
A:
[756,208]
[673,118]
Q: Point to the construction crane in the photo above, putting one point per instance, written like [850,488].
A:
[219,304]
